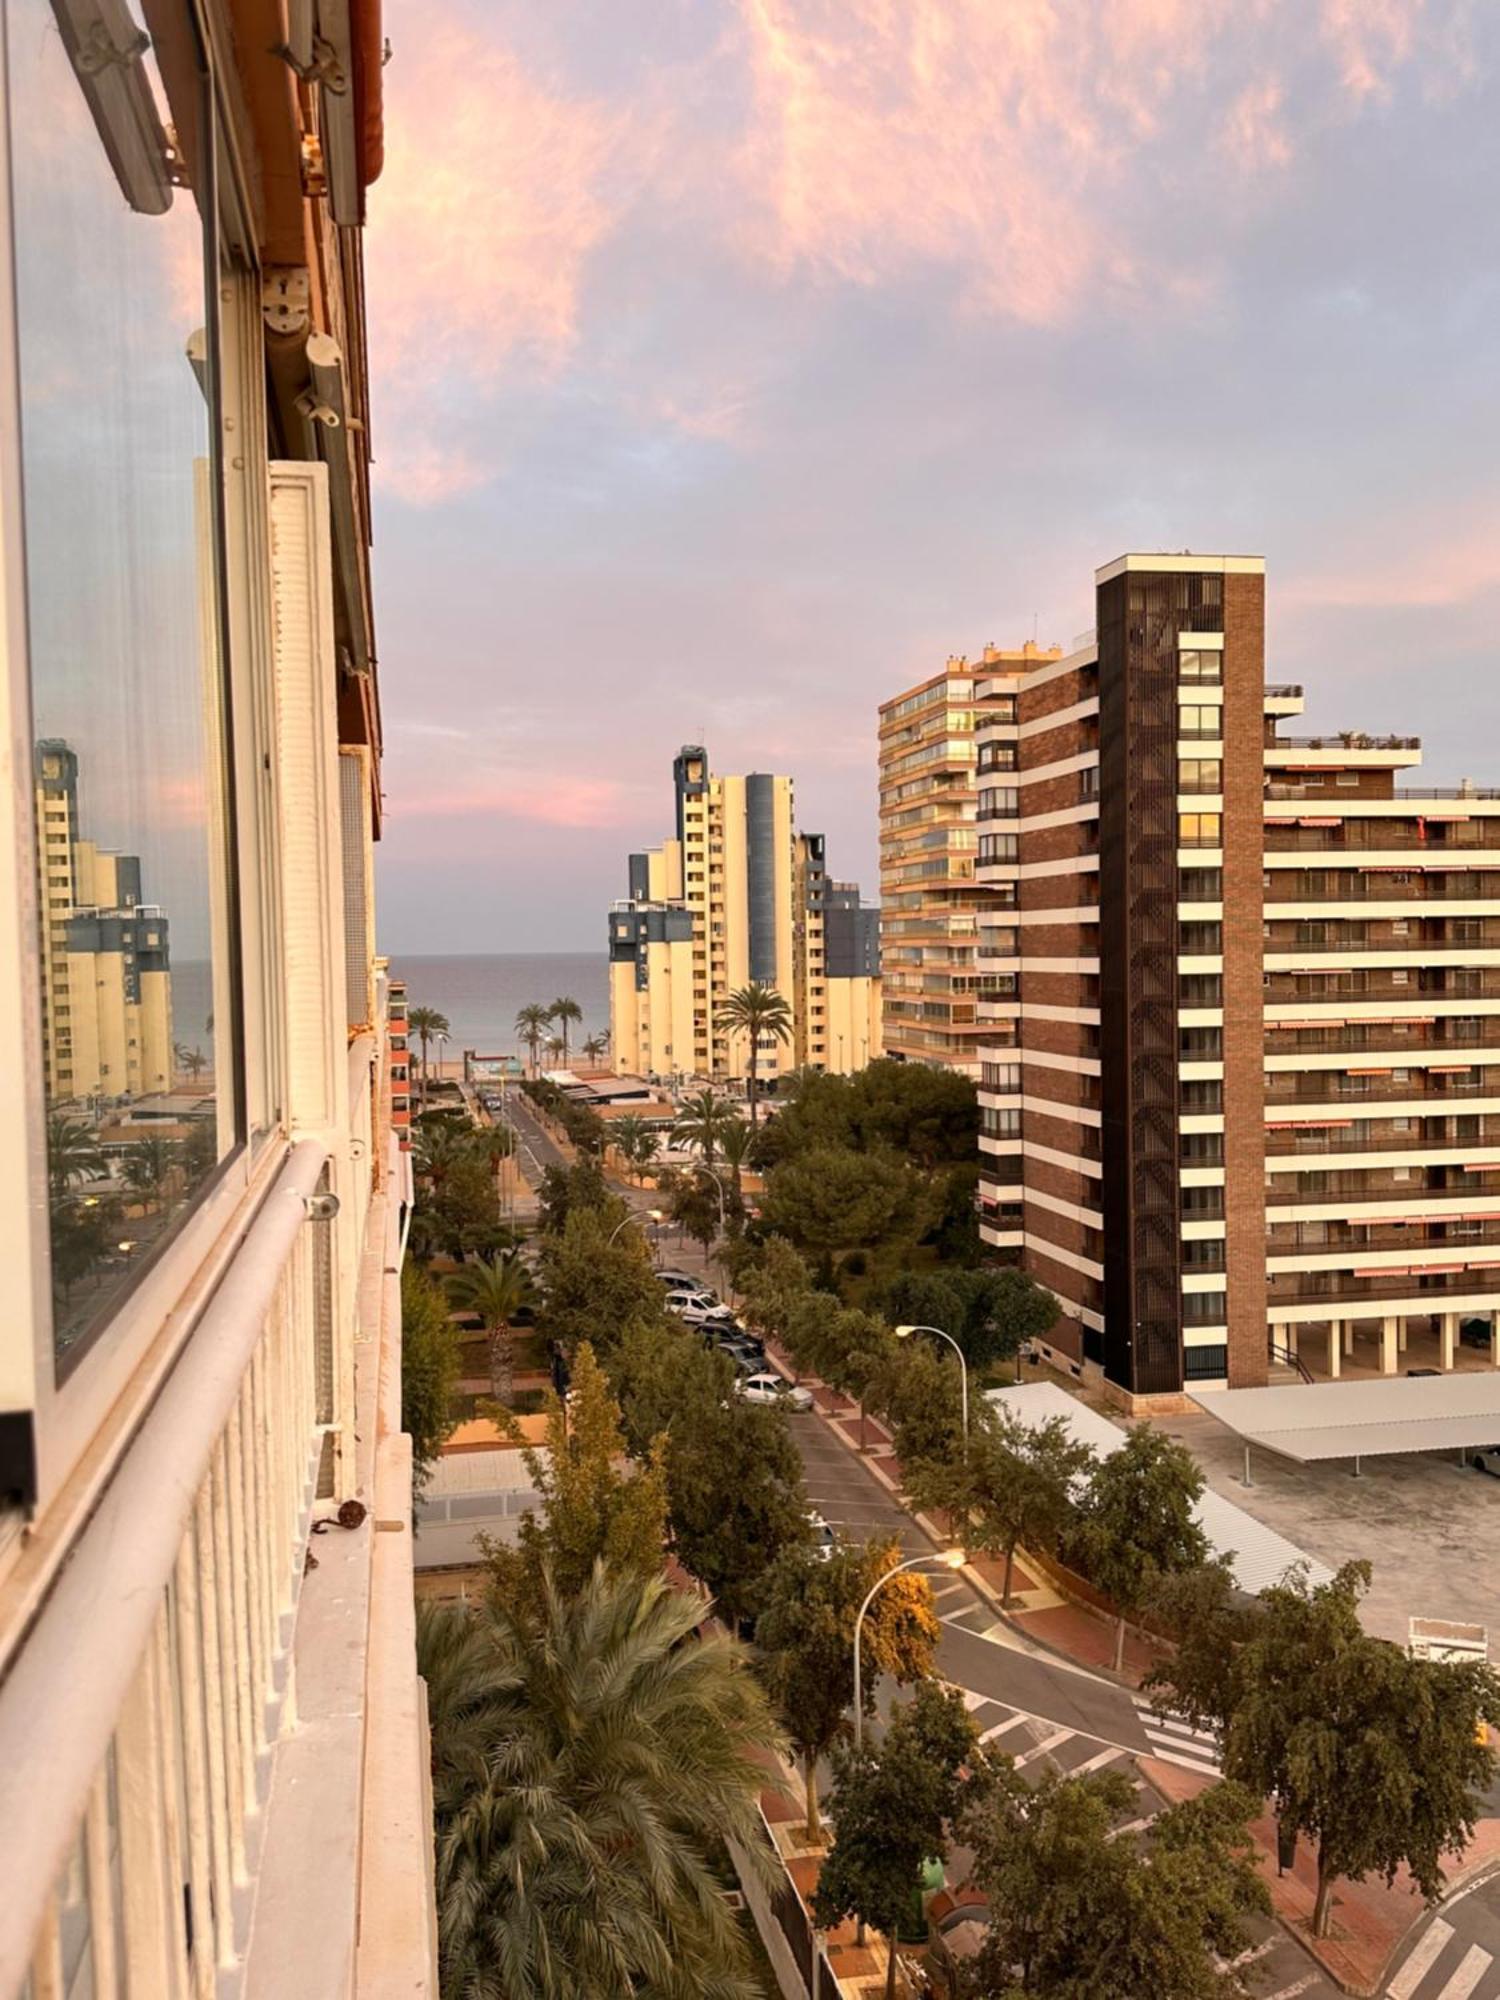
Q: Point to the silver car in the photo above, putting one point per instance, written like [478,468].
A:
[770,1388]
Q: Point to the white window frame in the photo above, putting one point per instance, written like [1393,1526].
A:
[135,1349]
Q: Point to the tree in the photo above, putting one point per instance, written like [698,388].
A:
[737,1144]
[701,1121]
[426,1023]
[149,1167]
[1079,1911]
[565,1190]
[755,1011]
[659,1370]
[735,1497]
[628,1136]
[831,1199]
[594,1505]
[1136,1524]
[532,1023]
[917,1392]
[892,1808]
[849,1349]
[1015,1487]
[73,1153]
[593,1287]
[587,1763]
[775,1286]
[927,1116]
[805,1641]
[990,1313]
[566,1013]
[429,1372]
[1376,1756]
[692,1204]
[496,1289]
[596,1047]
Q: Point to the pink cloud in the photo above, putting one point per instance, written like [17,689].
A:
[1369,39]
[1398,570]
[565,802]
[1254,138]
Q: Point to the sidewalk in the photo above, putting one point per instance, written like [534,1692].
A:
[1369,1921]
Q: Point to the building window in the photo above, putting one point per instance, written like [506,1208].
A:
[1200,830]
[1200,774]
[122,577]
[1200,719]
[1207,669]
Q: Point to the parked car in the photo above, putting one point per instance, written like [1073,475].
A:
[770,1388]
[681,1281]
[1474,1333]
[695,1308]
[1487,1460]
[825,1541]
[746,1348]
[1424,1371]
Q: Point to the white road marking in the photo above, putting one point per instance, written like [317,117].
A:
[999,1729]
[1424,1955]
[1297,1986]
[1096,1763]
[1047,1744]
[1475,1963]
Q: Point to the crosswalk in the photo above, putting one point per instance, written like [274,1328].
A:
[1443,1966]
[1177,1741]
[1033,1742]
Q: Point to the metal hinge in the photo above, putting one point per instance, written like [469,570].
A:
[286,298]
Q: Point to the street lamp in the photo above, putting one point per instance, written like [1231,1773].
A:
[947,1559]
[654,1215]
[905,1333]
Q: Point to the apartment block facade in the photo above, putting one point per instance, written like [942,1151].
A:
[106,961]
[213,1748]
[736,895]
[933,982]
[1234,1091]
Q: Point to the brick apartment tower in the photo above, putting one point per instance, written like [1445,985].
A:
[1240,1061]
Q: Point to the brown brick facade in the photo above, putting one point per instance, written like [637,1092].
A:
[1244,1034]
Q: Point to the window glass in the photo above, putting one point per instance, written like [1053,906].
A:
[121,572]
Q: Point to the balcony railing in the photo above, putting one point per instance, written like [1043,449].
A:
[1285,1290]
[1457,983]
[1488,940]
[1320,1087]
[1349,836]
[1284,690]
[1350,740]
[1372,1036]
[1382,887]
[1427,1242]
[1344,1188]
[1294,1145]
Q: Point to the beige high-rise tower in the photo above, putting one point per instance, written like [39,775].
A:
[737,896]
[931,904]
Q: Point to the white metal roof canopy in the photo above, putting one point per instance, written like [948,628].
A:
[1310,1422]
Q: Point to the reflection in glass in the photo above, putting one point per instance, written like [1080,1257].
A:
[121,575]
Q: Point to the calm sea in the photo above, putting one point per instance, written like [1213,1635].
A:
[481,995]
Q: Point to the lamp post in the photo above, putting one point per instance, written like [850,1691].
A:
[946,1559]
[653,1215]
[905,1333]
[702,1167]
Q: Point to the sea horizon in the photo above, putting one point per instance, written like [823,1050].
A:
[482,992]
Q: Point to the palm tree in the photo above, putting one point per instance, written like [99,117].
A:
[531,1027]
[72,1153]
[586,1766]
[755,1010]
[148,1168]
[496,1288]
[702,1122]
[596,1047]
[736,1143]
[634,1140]
[564,1012]
[426,1023]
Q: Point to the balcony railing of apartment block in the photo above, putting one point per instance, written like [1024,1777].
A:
[1434,983]
[1283,1289]
[1419,937]
[1387,886]
[1284,690]
[1444,1240]
[1286,1091]
[1384,1138]
[1350,740]
[1376,835]
[1294,1191]
[1369,1037]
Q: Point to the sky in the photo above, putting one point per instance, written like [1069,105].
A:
[737,361]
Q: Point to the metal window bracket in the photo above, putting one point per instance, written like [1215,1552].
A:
[286,299]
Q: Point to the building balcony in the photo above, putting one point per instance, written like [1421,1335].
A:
[1331,834]
[1356,1037]
[1385,885]
[1287,989]
[1462,1192]
[1331,1135]
[1444,1240]
[1288,1092]
[1342,1288]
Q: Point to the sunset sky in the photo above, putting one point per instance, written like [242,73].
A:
[738,360]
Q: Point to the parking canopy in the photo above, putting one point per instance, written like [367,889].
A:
[1309,1421]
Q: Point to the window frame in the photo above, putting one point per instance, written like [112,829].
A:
[72,1405]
